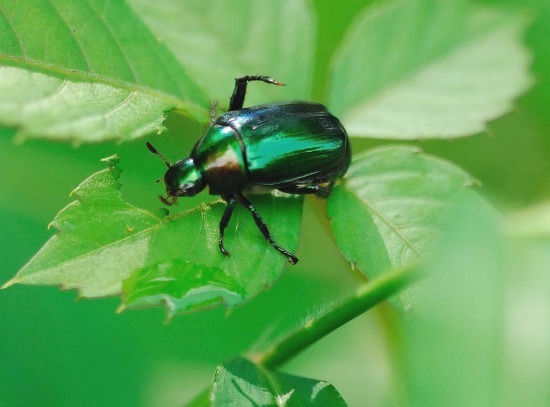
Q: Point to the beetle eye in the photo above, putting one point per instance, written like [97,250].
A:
[188,189]
[187,186]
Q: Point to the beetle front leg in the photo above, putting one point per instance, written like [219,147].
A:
[237,98]
[226,217]
[263,227]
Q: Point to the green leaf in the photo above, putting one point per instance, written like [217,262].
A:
[526,308]
[89,71]
[102,240]
[55,108]
[240,383]
[426,68]
[386,212]
[454,338]
[218,40]
[480,334]
[201,400]
[163,283]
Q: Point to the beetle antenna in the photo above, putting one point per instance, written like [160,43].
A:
[155,151]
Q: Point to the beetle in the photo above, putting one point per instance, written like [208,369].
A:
[294,147]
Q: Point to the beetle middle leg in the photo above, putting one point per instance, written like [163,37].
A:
[230,199]
[263,227]
[237,98]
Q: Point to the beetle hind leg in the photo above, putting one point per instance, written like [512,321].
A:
[263,228]
[237,98]
[212,111]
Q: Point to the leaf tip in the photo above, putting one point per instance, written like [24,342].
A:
[168,318]
[472,182]
[8,284]
[112,160]
[54,224]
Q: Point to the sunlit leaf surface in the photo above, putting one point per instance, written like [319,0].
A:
[218,40]
[425,68]
[56,108]
[87,71]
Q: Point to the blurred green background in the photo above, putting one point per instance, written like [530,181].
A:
[58,351]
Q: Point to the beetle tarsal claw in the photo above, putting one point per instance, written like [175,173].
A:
[165,201]
[292,259]
[222,248]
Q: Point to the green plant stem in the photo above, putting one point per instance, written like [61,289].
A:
[366,297]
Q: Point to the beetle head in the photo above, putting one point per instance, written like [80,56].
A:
[182,179]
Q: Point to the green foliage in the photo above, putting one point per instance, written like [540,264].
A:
[95,72]
[418,69]
[388,211]
[237,38]
[102,241]
[470,340]
[409,222]
[240,382]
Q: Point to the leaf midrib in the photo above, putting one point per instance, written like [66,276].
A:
[21,62]
[390,225]
[151,229]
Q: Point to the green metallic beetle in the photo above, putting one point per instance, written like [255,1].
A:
[293,147]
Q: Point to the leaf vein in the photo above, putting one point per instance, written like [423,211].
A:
[111,111]
[423,199]
[47,96]
[93,77]
[116,41]
[391,226]
[71,33]
[23,53]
